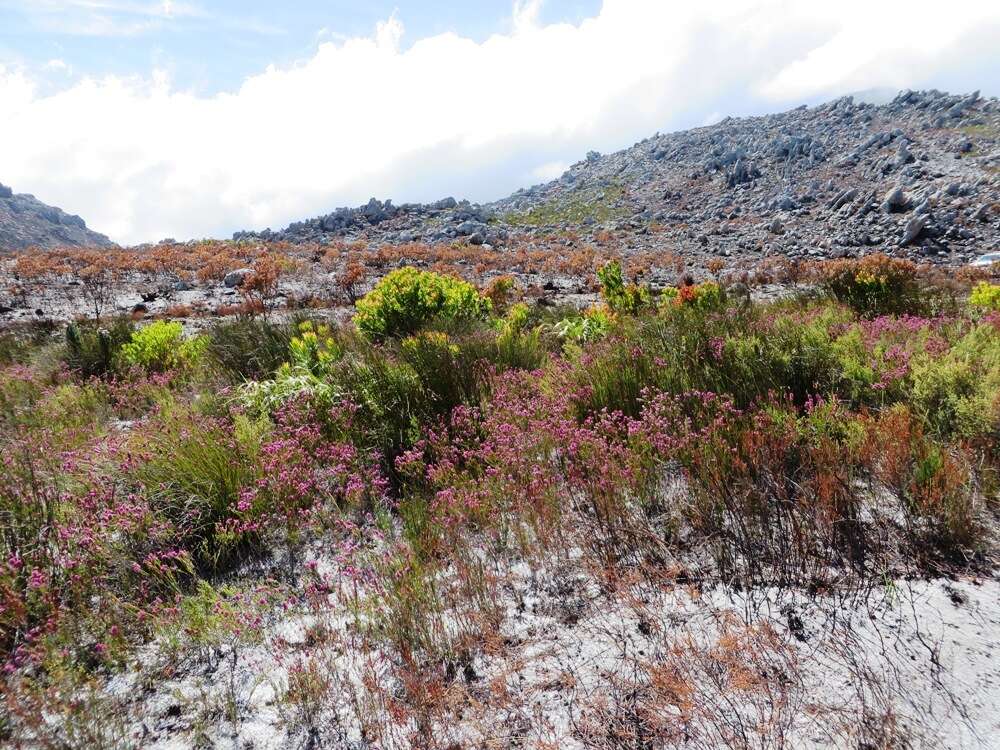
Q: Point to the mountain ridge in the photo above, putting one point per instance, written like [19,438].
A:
[26,222]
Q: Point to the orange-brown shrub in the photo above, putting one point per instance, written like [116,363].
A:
[179,311]
[350,282]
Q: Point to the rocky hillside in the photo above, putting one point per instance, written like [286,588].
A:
[27,222]
[918,176]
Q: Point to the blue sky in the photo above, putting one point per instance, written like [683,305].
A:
[212,45]
[189,118]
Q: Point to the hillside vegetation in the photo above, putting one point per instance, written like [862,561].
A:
[295,532]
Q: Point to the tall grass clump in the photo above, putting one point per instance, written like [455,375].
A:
[92,350]
[19,342]
[193,470]
[248,349]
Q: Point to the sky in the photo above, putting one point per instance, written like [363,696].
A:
[196,118]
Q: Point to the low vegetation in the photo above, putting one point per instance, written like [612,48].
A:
[592,205]
[163,487]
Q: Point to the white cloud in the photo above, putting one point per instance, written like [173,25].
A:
[57,65]
[711,119]
[140,159]
[548,171]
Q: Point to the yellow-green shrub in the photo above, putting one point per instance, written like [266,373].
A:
[407,298]
[986,295]
[161,346]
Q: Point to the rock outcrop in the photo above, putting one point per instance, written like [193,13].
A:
[835,180]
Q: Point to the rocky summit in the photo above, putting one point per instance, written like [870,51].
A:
[917,177]
[27,222]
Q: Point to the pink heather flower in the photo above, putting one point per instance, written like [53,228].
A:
[37,579]
[716,346]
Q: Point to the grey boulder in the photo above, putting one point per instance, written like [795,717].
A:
[235,279]
[914,227]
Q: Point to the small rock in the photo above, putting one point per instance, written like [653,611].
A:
[903,155]
[895,200]
[843,198]
[913,229]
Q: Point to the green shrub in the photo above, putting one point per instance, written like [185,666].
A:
[73,408]
[161,346]
[578,329]
[312,353]
[742,353]
[985,295]
[92,351]
[619,296]
[789,356]
[957,393]
[705,296]
[406,299]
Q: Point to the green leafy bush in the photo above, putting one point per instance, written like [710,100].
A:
[161,346]
[705,296]
[407,298]
[579,329]
[619,296]
[312,353]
